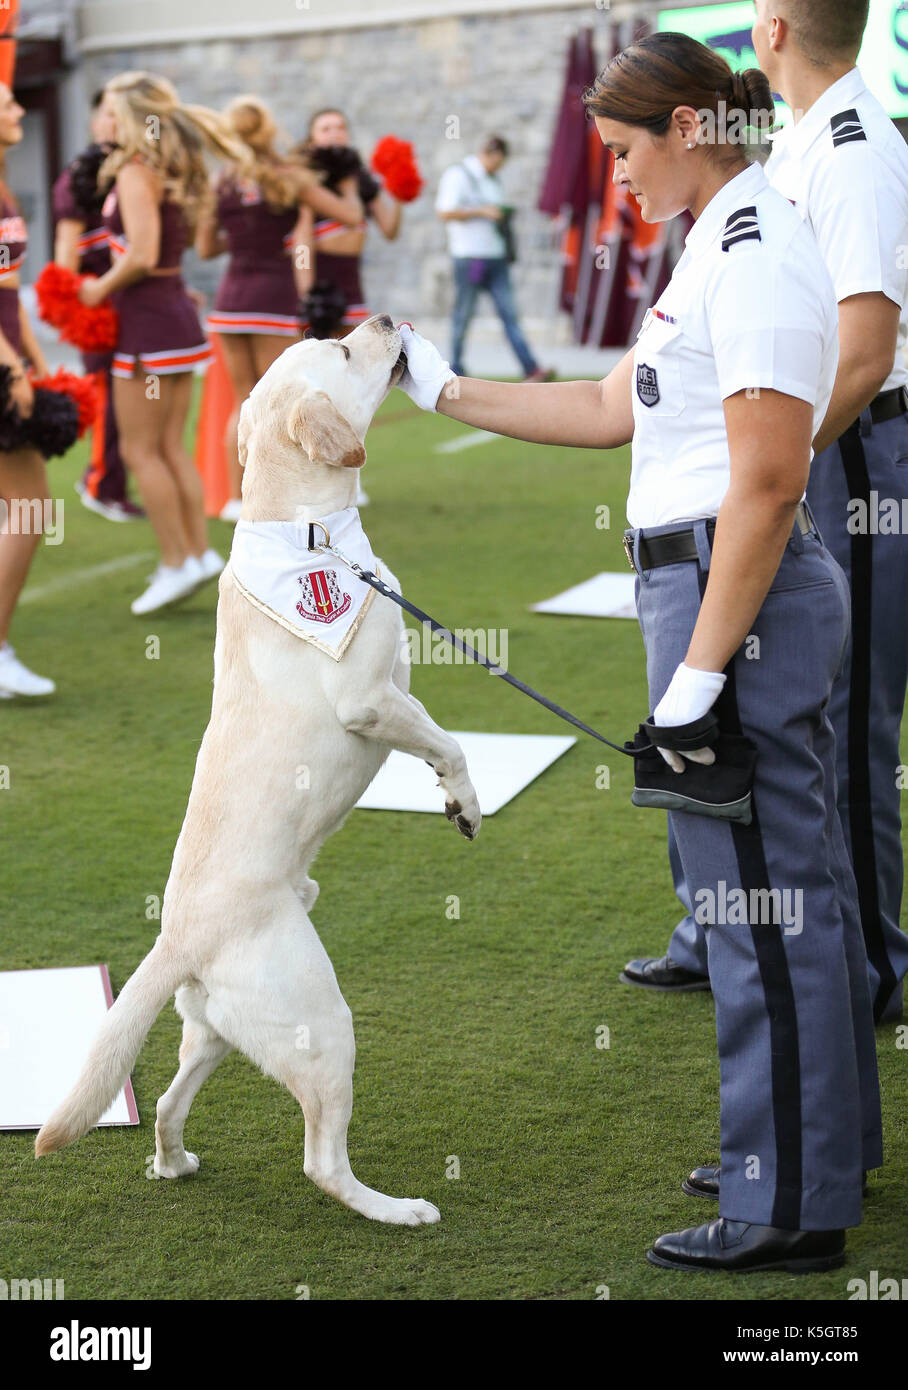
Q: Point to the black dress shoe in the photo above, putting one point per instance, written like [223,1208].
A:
[743,1249]
[704,1182]
[662,974]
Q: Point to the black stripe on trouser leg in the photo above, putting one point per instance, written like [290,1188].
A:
[860,808]
[778,994]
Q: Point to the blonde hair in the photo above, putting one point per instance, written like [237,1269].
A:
[281,177]
[172,139]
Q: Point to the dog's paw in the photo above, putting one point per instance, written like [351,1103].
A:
[407,1211]
[183,1167]
[467,823]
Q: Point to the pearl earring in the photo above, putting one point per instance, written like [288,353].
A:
[690,145]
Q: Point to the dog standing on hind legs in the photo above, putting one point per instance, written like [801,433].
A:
[236,943]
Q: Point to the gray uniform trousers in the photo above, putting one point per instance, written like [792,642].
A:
[799,1093]
[867,702]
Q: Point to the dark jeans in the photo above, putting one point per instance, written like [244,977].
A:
[471,276]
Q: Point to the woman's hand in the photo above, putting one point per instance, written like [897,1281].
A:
[21,394]
[91,292]
[690,695]
[427,372]
[199,300]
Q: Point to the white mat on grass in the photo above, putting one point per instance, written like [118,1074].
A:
[48,1021]
[500,766]
[606,595]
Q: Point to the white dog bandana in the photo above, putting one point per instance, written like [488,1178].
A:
[314,596]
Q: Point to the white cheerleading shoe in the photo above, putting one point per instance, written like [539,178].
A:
[168,585]
[17,679]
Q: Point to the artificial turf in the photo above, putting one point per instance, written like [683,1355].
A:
[476,1037]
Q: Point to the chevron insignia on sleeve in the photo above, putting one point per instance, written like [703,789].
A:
[846,127]
[741,226]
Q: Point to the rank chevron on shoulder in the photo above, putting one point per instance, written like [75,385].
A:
[741,226]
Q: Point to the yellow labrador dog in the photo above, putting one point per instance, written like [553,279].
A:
[236,941]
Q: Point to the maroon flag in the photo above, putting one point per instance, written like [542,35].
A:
[567,161]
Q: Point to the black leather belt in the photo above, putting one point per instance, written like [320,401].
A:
[889,405]
[678,546]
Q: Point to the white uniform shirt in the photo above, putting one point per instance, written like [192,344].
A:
[479,238]
[845,167]
[750,305]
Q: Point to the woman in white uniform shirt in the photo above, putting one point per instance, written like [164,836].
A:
[722,395]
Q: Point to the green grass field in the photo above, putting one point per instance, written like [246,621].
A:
[476,1037]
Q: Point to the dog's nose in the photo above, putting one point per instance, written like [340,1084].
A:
[385,320]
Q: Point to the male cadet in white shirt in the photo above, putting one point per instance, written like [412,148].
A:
[471,203]
[844,165]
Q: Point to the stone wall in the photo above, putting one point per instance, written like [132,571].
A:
[443,84]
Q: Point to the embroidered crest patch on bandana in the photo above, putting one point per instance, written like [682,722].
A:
[312,595]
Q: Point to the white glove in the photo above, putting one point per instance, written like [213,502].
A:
[690,695]
[427,372]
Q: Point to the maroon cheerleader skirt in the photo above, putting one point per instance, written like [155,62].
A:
[9,318]
[160,331]
[258,298]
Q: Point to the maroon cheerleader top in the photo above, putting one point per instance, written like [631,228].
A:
[13,236]
[94,253]
[174,231]
[159,330]
[13,245]
[258,292]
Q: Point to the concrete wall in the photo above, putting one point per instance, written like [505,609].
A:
[442,83]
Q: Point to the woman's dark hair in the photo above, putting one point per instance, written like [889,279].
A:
[645,83]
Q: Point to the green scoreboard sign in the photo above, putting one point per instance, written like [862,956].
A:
[883,59]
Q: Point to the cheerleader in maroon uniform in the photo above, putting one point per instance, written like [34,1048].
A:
[160,188]
[261,218]
[24,492]
[338,248]
[80,244]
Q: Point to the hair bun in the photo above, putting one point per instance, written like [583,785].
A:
[740,95]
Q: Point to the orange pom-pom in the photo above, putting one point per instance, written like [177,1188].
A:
[81,389]
[55,290]
[395,161]
[89,329]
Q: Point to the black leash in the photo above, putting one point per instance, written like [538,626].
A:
[369,578]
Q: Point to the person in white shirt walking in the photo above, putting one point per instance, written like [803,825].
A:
[844,166]
[472,204]
[728,383]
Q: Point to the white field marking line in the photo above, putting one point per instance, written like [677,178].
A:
[465,441]
[66,581]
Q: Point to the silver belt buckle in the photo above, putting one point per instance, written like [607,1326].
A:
[629,552]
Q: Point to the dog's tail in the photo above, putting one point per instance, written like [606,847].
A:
[114,1050]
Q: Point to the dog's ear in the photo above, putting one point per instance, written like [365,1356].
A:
[244,430]
[317,426]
